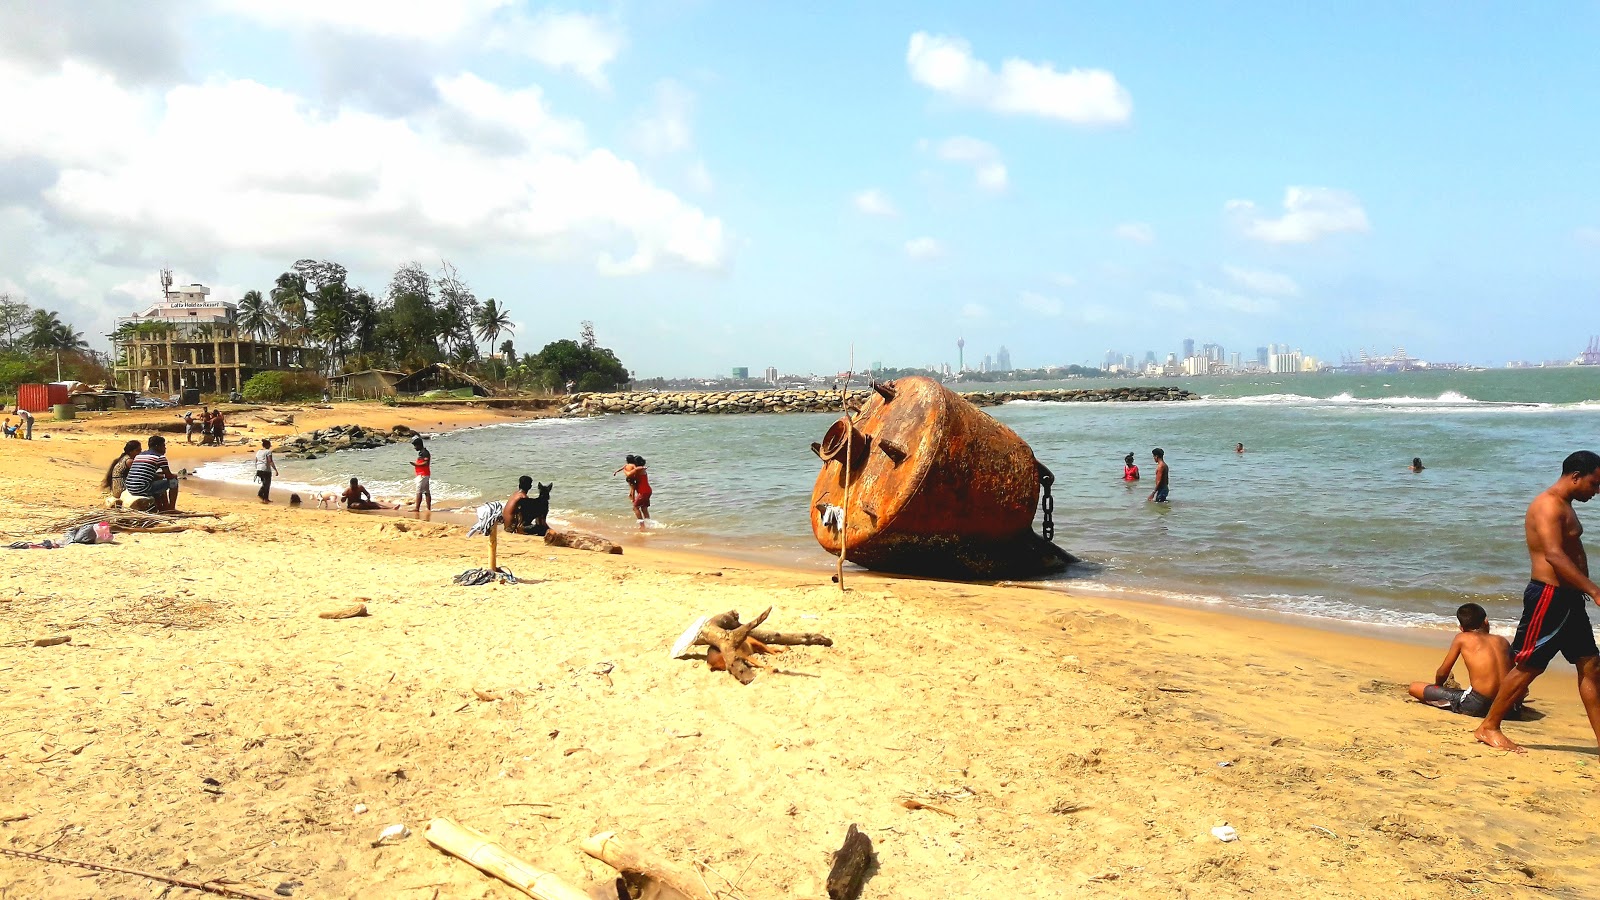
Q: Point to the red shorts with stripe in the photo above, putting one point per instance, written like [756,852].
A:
[1554,619]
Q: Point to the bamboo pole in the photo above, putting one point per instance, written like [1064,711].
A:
[494,547]
[488,856]
[627,856]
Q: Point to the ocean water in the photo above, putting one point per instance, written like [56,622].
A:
[1319,517]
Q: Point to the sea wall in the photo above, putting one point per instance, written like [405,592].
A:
[313,444]
[786,401]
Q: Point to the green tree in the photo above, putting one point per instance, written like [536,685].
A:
[255,316]
[492,321]
[291,296]
[14,317]
[458,311]
[591,368]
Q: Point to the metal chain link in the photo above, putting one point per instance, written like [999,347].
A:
[1047,503]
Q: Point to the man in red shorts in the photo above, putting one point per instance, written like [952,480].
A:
[1554,616]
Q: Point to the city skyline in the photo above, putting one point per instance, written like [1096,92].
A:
[710,181]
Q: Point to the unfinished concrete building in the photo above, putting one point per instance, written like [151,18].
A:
[187,340]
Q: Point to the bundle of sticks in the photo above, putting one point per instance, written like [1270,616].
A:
[126,520]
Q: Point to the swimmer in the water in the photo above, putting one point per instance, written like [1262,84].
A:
[1238,448]
[1130,472]
[1416,464]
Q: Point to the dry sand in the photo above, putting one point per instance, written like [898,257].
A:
[1084,746]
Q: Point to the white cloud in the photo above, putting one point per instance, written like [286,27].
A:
[1137,232]
[874,202]
[666,129]
[1262,282]
[974,311]
[1309,213]
[581,43]
[1061,279]
[1080,96]
[485,168]
[1041,304]
[987,168]
[700,178]
[1232,301]
[924,248]
[429,20]
[1588,235]
[1168,301]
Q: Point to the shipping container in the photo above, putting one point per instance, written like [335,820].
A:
[34,398]
[57,393]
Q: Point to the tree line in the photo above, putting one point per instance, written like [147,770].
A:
[35,346]
[417,319]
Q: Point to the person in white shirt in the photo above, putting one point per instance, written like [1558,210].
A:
[265,469]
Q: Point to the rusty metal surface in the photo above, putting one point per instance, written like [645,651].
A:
[936,486]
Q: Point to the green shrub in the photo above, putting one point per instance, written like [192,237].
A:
[275,387]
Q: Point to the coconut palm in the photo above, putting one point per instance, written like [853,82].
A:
[291,296]
[255,316]
[492,321]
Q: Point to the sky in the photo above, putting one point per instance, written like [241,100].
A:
[720,184]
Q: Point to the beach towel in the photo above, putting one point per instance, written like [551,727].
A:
[488,514]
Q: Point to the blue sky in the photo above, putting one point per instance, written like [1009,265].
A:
[719,184]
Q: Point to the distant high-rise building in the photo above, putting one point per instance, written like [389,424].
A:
[1127,362]
[1286,363]
[961,354]
[772,375]
[1212,352]
[1188,347]
[1234,362]
[1002,360]
[1149,357]
[988,365]
[1262,355]
[1112,357]
[741,372]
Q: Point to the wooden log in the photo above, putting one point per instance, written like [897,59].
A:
[731,645]
[349,612]
[485,854]
[850,864]
[730,620]
[627,856]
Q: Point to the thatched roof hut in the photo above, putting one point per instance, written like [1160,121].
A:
[440,377]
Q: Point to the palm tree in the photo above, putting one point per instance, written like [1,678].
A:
[255,316]
[290,296]
[492,320]
[47,332]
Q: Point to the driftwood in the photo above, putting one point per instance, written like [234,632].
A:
[217,888]
[730,621]
[581,540]
[732,646]
[850,864]
[482,852]
[349,612]
[277,420]
[626,857]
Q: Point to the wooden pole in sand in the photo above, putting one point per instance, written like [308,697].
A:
[494,547]
[849,435]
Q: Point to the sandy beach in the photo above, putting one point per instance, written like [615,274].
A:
[204,723]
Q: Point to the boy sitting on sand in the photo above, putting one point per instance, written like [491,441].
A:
[1488,658]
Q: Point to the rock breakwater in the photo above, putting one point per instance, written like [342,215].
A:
[341,437]
[788,401]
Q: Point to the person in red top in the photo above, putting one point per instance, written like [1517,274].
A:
[1130,472]
[638,487]
[423,467]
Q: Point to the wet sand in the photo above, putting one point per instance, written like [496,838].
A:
[1084,746]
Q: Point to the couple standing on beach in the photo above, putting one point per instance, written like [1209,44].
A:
[1554,619]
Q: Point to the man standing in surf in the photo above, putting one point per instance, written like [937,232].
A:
[1554,618]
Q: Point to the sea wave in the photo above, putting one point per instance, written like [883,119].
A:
[242,472]
[1449,401]
[1304,606]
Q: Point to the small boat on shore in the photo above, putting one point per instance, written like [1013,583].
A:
[922,482]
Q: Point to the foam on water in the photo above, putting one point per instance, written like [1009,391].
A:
[242,471]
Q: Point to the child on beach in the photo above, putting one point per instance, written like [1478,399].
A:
[633,470]
[1130,472]
[1488,657]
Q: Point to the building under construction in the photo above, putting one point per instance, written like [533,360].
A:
[188,341]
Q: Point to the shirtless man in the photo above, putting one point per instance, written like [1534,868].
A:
[1159,495]
[356,496]
[1488,658]
[1553,614]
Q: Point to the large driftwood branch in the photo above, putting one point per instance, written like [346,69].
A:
[731,646]
[730,620]
[625,856]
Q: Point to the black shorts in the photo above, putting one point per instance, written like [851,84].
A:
[1553,619]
